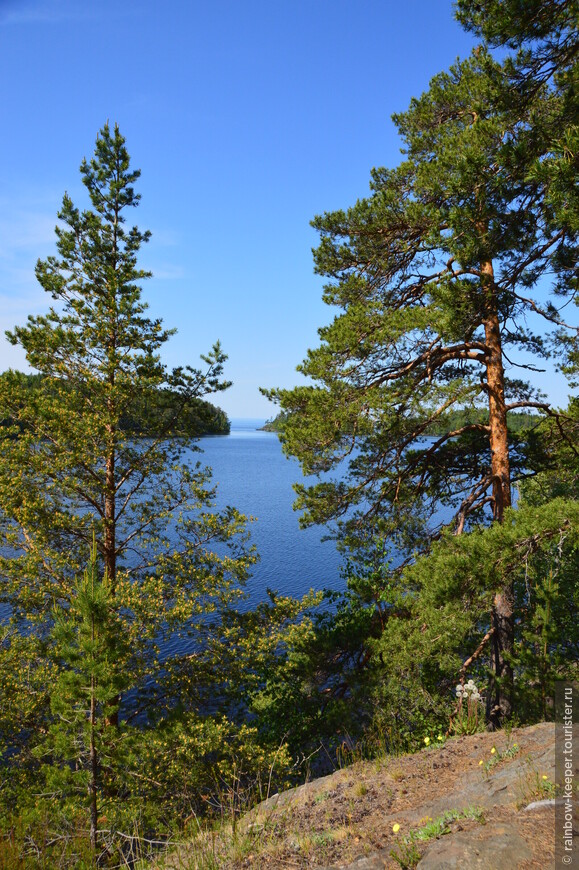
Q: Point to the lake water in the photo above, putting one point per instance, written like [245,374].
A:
[253,475]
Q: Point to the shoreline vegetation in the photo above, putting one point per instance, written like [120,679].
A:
[517,422]
[197,417]
[141,702]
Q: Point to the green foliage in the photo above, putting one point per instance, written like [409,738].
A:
[26,675]
[307,697]
[433,281]
[117,742]
[407,854]
[452,420]
[143,780]
[202,766]
[541,75]
[408,350]
[91,656]
[93,676]
[276,424]
[498,755]
[379,665]
[198,418]
[80,467]
[548,26]
[445,613]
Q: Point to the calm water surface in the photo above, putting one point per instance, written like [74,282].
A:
[253,475]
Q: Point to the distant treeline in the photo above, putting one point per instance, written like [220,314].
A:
[516,422]
[449,422]
[196,419]
[276,424]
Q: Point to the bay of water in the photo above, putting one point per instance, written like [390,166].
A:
[253,475]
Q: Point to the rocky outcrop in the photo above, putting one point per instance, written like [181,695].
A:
[509,786]
[479,802]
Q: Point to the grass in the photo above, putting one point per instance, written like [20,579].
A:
[497,756]
[534,786]
[407,854]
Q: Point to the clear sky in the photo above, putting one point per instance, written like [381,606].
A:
[246,117]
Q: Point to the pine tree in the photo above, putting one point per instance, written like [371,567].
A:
[69,467]
[432,274]
[544,33]
[135,649]
[541,71]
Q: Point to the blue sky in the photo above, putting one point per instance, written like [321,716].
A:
[246,119]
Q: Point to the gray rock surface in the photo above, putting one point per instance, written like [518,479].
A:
[496,845]
[493,847]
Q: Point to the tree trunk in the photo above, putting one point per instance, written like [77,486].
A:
[109,546]
[93,783]
[110,559]
[500,691]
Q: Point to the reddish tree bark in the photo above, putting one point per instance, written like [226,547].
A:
[499,696]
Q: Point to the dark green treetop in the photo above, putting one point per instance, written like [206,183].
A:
[545,29]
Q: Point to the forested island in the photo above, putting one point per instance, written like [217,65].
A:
[142,702]
[196,416]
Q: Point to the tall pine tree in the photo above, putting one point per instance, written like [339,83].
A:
[431,275]
[69,468]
